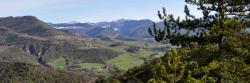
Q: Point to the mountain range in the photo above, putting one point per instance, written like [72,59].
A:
[28,39]
[29,45]
[130,29]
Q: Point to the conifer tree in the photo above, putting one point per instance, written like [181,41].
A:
[170,70]
[217,53]
[220,25]
[221,19]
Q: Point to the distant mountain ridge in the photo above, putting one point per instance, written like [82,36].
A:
[28,39]
[113,29]
[29,25]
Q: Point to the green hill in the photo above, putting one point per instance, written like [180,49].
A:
[27,73]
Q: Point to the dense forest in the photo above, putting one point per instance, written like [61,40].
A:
[217,53]
[28,73]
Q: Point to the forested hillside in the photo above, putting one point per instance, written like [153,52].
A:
[28,40]
[218,53]
[27,73]
[211,48]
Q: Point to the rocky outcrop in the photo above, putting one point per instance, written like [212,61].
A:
[37,50]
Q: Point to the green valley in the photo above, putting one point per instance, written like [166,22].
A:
[208,43]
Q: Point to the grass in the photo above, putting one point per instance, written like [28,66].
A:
[124,62]
[119,48]
[59,63]
[160,53]
[143,54]
[106,74]
[91,65]
[147,54]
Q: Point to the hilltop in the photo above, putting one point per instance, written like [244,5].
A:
[31,41]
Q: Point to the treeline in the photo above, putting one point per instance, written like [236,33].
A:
[28,73]
[94,55]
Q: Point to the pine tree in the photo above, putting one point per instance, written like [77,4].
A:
[221,19]
[217,53]
[170,70]
[222,25]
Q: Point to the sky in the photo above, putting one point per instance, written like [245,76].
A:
[62,11]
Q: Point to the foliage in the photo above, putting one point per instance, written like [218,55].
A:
[220,20]
[60,63]
[95,55]
[27,73]
[188,66]
[217,53]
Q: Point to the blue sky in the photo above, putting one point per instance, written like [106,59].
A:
[58,11]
